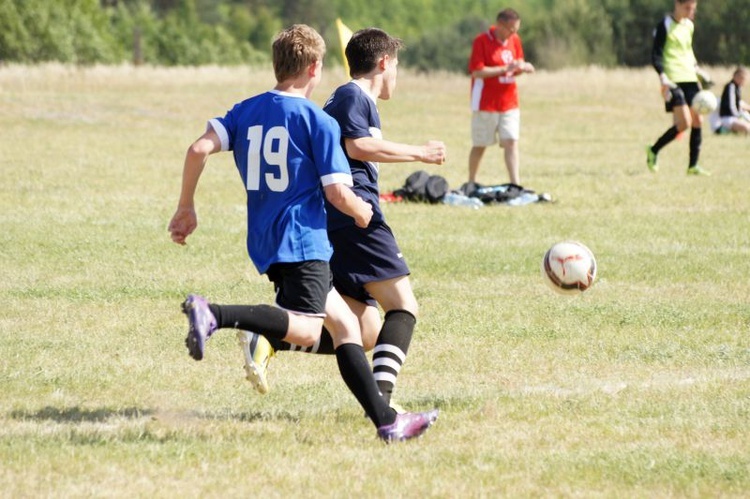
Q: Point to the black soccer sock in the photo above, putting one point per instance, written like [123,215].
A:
[390,350]
[665,139]
[355,370]
[696,139]
[271,322]
[323,346]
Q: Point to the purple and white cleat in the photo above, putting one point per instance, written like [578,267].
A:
[407,425]
[202,324]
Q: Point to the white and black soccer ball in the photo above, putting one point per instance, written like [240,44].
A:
[569,268]
[705,102]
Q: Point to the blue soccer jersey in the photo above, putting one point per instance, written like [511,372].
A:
[285,148]
[357,115]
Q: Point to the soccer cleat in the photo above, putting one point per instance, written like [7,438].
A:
[408,425]
[651,160]
[397,407]
[697,170]
[258,352]
[202,324]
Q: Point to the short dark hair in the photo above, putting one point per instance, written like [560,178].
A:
[368,45]
[506,15]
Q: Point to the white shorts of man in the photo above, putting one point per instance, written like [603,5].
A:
[488,128]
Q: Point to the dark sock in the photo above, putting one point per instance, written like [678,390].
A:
[323,346]
[355,370]
[271,322]
[665,139]
[391,348]
[696,138]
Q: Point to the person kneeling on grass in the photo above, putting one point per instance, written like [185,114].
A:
[734,113]
[288,154]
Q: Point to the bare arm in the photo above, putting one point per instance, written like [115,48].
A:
[344,200]
[514,68]
[742,105]
[385,151]
[184,221]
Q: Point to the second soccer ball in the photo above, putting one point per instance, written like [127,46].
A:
[705,102]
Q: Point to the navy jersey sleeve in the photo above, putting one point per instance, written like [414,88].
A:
[657,52]
[351,109]
[357,116]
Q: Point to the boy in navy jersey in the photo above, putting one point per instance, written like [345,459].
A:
[367,264]
[287,152]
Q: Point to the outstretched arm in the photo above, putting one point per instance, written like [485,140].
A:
[385,151]
[184,221]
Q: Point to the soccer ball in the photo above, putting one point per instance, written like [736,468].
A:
[569,268]
[705,102]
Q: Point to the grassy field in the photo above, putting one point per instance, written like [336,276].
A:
[638,388]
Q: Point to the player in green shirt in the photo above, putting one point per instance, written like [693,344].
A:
[673,58]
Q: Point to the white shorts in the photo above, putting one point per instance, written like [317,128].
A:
[488,127]
[729,121]
[726,122]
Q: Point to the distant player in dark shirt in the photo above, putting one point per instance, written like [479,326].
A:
[734,113]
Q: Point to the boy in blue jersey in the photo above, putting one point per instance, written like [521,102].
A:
[287,152]
[673,59]
[368,267]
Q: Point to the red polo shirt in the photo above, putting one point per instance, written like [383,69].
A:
[497,94]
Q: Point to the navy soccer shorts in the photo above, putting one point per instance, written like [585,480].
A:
[364,255]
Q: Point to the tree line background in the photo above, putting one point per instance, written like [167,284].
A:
[437,33]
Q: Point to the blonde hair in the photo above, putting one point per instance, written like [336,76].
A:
[294,49]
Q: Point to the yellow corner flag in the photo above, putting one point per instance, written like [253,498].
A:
[344,35]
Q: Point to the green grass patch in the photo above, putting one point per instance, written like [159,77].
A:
[638,388]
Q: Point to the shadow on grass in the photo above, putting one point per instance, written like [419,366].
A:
[253,416]
[79,415]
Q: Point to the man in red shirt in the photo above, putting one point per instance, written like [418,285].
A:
[496,59]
